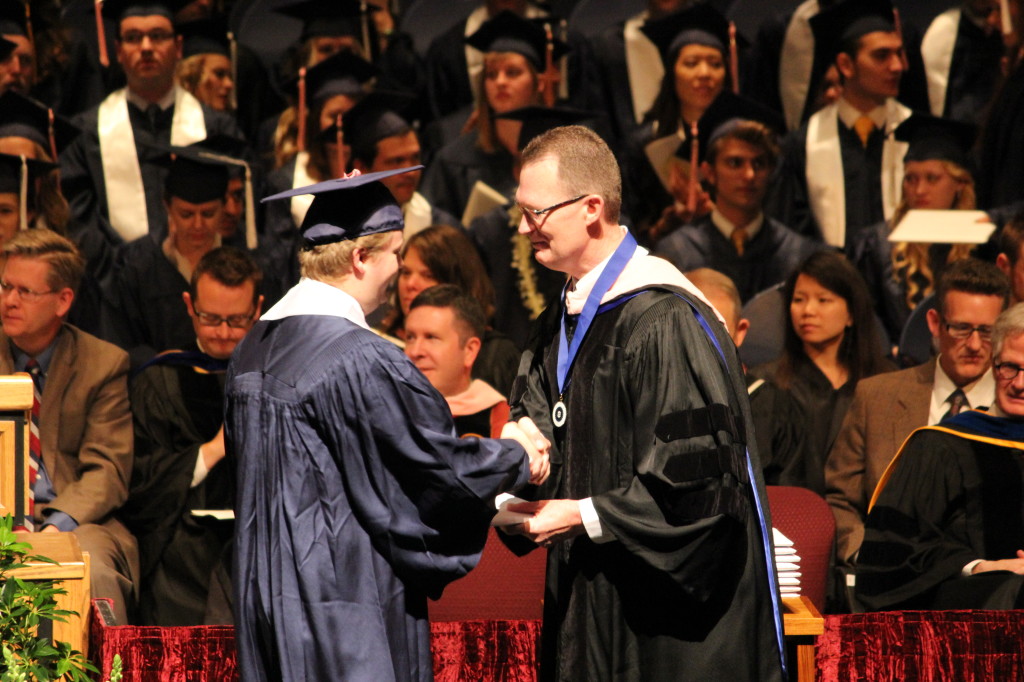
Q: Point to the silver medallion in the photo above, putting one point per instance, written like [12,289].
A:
[558,414]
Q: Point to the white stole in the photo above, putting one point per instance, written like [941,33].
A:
[826,189]
[122,176]
[796,63]
[300,204]
[417,214]
[937,53]
[643,64]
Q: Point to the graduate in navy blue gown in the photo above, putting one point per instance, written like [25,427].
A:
[356,500]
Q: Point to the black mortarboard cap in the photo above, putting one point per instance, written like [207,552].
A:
[194,177]
[374,118]
[848,20]
[700,24]
[330,17]
[11,168]
[537,120]
[24,117]
[348,208]
[119,9]
[724,114]
[206,36]
[937,139]
[509,32]
[343,73]
[13,20]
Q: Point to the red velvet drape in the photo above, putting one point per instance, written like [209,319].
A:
[928,646]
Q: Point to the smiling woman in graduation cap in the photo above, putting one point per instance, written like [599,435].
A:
[356,501]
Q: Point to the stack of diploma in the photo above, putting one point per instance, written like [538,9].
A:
[787,564]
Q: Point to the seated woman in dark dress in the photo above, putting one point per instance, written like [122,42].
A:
[442,254]
[831,342]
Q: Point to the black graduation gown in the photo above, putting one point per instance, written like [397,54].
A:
[356,502]
[768,258]
[494,239]
[973,73]
[820,412]
[682,592]
[1000,174]
[643,194]
[788,201]
[176,408]
[778,429]
[612,92]
[83,184]
[145,313]
[955,494]
[456,167]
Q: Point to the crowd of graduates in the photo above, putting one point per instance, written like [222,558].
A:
[783,158]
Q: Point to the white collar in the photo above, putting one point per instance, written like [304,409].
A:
[312,297]
[726,226]
[164,102]
[849,114]
[979,393]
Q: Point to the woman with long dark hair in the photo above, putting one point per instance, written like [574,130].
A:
[831,342]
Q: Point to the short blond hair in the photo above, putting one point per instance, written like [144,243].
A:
[328,261]
[67,267]
[585,164]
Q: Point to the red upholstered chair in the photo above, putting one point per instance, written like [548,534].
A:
[501,587]
[805,518]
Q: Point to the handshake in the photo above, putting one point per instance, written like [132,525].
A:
[526,433]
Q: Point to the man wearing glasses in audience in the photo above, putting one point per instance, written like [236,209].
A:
[113,174]
[177,403]
[945,527]
[888,407]
[82,440]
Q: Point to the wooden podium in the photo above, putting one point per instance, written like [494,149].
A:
[71,573]
[802,623]
[15,416]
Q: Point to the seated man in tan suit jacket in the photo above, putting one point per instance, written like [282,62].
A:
[85,425]
[888,407]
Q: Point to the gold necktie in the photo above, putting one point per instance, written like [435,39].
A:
[739,239]
[864,127]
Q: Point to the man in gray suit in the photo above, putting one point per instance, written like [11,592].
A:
[888,407]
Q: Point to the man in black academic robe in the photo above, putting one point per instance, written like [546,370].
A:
[658,567]
[945,524]
[178,407]
[113,199]
[356,500]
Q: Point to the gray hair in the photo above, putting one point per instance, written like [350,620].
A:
[1009,323]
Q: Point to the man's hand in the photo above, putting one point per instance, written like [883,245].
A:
[552,520]
[50,529]
[1013,565]
[526,433]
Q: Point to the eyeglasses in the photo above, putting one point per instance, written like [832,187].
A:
[24,293]
[533,213]
[155,37]
[234,321]
[962,330]
[1007,371]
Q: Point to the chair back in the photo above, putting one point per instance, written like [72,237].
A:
[804,517]
[916,338]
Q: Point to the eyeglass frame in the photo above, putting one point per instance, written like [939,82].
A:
[241,321]
[539,212]
[984,331]
[998,366]
[24,293]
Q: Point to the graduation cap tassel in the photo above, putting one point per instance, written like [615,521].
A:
[691,199]
[301,141]
[233,50]
[28,24]
[53,136]
[1006,19]
[734,61]
[563,63]
[339,138]
[365,23]
[549,78]
[251,240]
[23,195]
[899,31]
[101,35]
